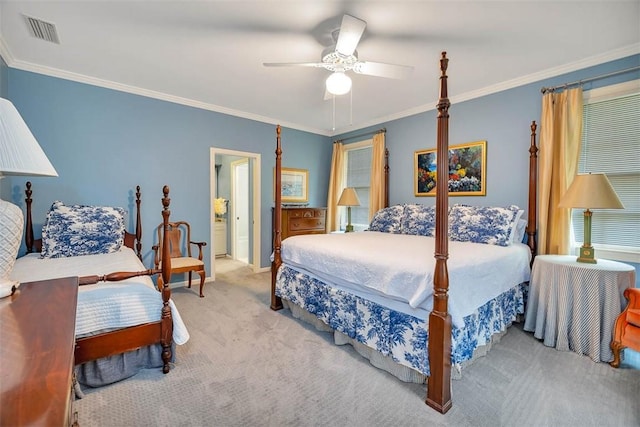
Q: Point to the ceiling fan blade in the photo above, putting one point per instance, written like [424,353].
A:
[380,69]
[350,32]
[294,64]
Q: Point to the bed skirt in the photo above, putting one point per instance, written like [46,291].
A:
[116,368]
[388,337]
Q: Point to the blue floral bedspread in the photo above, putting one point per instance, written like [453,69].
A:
[398,335]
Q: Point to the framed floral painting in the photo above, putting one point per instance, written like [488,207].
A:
[467,170]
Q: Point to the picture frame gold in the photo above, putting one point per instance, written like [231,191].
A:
[295,185]
[467,170]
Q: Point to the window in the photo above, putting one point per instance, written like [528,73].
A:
[357,173]
[611,144]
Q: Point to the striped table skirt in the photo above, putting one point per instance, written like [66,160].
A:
[572,306]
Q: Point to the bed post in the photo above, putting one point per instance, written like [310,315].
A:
[533,194]
[138,225]
[276,301]
[28,235]
[439,381]
[165,319]
[386,177]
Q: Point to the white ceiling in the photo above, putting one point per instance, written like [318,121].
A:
[209,54]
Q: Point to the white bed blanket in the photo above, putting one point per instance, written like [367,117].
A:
[401,267]
[106,305]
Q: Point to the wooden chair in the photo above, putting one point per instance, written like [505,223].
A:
[626,331]
[179,235]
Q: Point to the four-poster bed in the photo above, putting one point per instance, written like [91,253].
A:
[387,309]
[123,324]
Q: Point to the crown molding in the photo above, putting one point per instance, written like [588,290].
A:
[613,55]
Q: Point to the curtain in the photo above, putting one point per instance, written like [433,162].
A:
[336,184]
[560,140]
[376,195]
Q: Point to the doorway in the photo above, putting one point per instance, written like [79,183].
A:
[237,180]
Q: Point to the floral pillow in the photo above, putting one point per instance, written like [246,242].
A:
[82,230]
[387,220]
[479,224]
[418,220]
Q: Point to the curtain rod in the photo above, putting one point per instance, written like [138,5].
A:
[579,82]
[382,130]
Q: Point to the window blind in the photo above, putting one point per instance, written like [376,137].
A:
[611,145]
[358,176]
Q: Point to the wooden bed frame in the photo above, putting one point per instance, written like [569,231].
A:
[134,337]
[439,347]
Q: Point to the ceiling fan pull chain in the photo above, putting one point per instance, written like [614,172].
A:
[351,107]
[334,112]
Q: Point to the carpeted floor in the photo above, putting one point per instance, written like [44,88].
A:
[246,365]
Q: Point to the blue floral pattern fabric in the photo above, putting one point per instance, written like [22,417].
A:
[400,336]
[419,220]
[82,230]
[479,224]
[387,220]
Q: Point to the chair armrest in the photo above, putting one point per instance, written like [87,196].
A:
[633,295]
[200,245]
[156,256]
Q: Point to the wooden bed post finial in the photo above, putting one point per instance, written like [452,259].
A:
[28,235]
[276,301]
[439,348]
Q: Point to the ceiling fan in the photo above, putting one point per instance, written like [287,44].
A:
[342,57]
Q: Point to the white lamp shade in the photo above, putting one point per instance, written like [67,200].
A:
[338,83]
[591,191]
[349,197]
[20,153]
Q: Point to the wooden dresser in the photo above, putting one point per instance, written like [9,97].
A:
[36,352]
[296,221]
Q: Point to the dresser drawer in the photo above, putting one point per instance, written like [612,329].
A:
[306,213]
[296,224]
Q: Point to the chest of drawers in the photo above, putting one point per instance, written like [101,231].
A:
[296,221]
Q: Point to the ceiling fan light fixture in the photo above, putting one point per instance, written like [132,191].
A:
[338,83]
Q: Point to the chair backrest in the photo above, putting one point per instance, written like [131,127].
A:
[179,235]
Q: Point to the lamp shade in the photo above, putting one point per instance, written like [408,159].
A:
[20,153]
[591,191]
[338,83]
[349,197]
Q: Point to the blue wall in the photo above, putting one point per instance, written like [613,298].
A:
[502,119]
[104,142]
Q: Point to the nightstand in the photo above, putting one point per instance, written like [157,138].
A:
[572,306]
[36,347]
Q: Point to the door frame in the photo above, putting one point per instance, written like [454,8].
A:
[255,163]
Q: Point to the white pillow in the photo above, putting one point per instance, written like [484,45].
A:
[518,232]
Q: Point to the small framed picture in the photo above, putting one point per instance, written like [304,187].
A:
[295,185]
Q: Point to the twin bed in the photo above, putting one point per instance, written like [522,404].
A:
[425,289]
[124,324]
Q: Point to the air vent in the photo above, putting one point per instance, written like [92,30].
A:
[42,30]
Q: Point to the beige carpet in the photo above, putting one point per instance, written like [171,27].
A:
[246,365]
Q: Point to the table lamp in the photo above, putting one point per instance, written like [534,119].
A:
[20,154]
[590,191]
[349,198]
